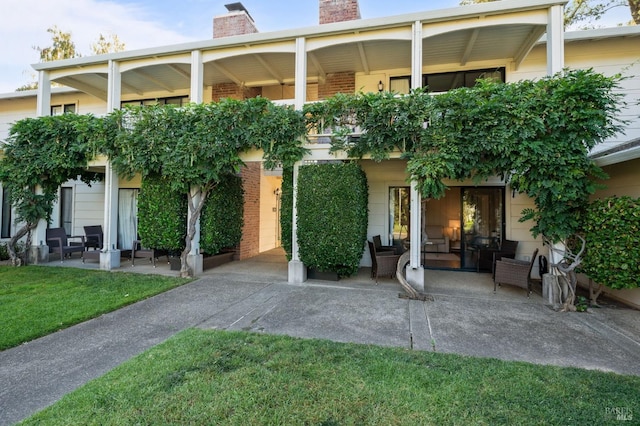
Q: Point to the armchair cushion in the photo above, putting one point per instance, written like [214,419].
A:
[435,241]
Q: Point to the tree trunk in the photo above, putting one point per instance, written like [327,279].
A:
[11,246]
[203,192]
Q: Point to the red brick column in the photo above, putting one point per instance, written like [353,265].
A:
[342,82]
[250,242]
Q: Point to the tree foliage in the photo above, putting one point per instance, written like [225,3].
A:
[40,155]
[586,11]
[535,134]
[107,44]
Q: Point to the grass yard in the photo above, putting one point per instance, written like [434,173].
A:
[38,300]
[219,377]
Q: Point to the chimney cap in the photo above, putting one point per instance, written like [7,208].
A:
[237,7]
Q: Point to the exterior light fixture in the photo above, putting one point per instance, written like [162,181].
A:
[380,86]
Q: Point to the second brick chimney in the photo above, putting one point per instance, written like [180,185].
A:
[338,11]
[236,22]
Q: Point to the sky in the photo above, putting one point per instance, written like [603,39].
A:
[150,23]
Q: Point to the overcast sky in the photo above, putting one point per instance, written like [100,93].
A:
[147,23]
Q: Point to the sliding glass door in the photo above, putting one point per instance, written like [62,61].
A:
[482,221]
[399,214]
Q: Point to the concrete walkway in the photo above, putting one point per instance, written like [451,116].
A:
[464,317]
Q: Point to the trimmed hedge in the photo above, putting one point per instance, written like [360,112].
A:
[612,232]
[332,208]
[162,215]
[222,216]
[286,212]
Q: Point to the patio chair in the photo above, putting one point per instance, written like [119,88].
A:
[507,250]
[58,242]
[137,251]
[379,247]
[93,237]
[382,264]
[514,272]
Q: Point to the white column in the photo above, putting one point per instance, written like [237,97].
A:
[110,255]
[195,258]
[555,40]
[197,77]
[415,270]
[297,269]
[39,251]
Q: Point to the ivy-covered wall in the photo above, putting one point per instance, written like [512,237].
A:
[222,216]
[332,216]
[162,215]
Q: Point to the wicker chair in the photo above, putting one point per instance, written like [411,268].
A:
[58,242]
[380,248]
[93,237]
[382,264]
[514,272]
[487,257]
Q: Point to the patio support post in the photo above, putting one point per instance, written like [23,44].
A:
[555,40]
[195,258]
[39,251]
[197,77]
[415,270]
[297,273]
[110,254]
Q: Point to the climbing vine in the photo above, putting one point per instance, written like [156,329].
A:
[534,134]
[40,155]
[196,147]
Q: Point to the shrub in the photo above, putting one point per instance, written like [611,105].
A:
[162,215]
[222,216]
[286,211]
[611,229]
[332,216]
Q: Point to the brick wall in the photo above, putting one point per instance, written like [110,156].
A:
[233,91]
[250,243]
[338,11]
[234,23]
[343,82]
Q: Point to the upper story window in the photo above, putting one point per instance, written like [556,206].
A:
[63,109]
[175,100]
[445,81]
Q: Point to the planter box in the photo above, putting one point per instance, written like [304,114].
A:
[314,274]
[174,263]
[209,262]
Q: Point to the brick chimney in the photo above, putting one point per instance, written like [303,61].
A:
[338,11]
[236,22]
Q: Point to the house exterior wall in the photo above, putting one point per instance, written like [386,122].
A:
[250,243]
[343,82]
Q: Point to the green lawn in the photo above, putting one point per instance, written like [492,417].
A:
[238,378]
[38,300]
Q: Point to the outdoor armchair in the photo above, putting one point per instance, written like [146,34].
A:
[514,272]
[93,237]
[58,242]
[382,264]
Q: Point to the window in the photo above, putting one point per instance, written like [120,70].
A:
[176,100]
[5,214]
[63,109]
[66,209]
[445,81]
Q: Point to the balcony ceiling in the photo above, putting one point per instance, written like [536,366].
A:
[252,68]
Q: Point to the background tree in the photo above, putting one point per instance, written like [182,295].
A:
[108,44]
[587,11]
[63,47]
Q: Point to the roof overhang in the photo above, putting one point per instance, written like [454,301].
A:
[619,154]
[457,37]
